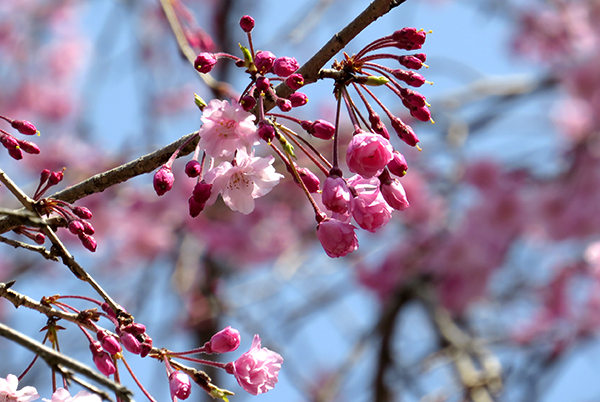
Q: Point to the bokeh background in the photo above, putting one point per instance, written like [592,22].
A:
[486,288]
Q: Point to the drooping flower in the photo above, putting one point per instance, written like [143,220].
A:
[256,370]
[368,154]
[336,195]
[240,183]
[337,237]
[227,127]
[9,393]
[62,395]
[369,208]
[179,385]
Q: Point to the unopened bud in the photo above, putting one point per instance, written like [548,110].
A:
[88,242]
[247,23]
[76,227]
[82,212]
[202,191]
[404,131]
[205,62]
[310,180]
[108,342]
[163,180]
[56,177]
[16,153]
[285,66]
[248,102]
[284,104]
[193,168]
[180,385]
[195,207]
[8,141]
[375,81]
[29,147]
[263,84]
[24,127]
[264,61]
[266,131]
[295,81]
[298,99]
[322,129]
[40,238]
[398,165]
[226,340]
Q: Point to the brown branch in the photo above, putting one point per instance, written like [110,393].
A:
[38,249]
[56,360]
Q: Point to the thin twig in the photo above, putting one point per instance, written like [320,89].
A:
[38,249]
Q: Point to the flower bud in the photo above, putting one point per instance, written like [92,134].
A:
[394,194]
[336,195]
[56,177]
[16,153]
[163,180]
[248,102]
[82,212]
[146,346]
[264,61]
[263,84]
[88,242]
[195,207]
[193,168]
[368,154]
[284,104]
[109,343]
[202,191]
[322,129]
[205,62]
[310,180]
[8,141]
[266,131]
[40,238]
[377,125]
[295,81]
[226,340]
[24,127]
[410,77]
[247,23]
[404,131]
[411,61]
[88,229]
[102,359]
[76,227]
[29,147]
[130,342]
[285,66]
[421,113]
[298,99]
[180,385]
[398,165]
[337,238]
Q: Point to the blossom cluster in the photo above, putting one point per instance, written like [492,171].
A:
[9,393]
[230,133]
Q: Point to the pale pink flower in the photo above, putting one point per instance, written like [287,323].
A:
[368,154]
[337,238]
[369,208]
[251,177]
[394,194]
[179,385]
[227,127]
[256,370]
[9,393]
[62,395]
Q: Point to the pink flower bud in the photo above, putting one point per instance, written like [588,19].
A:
[337,238]
[398,165]
[295,81]
[130,342]
[205,62]
[88,242]
[377,125]
[248,102]
[266,131]
[146,346]
[24,127]
[410,77]
[336,195]
[82,212]
[404,131]
[247,23]
[421,113]
[202,191]
[109,343]
[9,142]
[193,168]
[264,61]
[195,207]
[322,129]
[298,99]
[413,98]
[410,61]
[180,385]
[284,104]
[56,177]
[256,370]
[16,153]
[263,84]
[409,38]
[163,180]
[285,66]
[102,359]
[76,227]
[226,340]
[88,229]
[368,154]
[135,329]
[395,195]
[29,147]
[40,238]
[310,180]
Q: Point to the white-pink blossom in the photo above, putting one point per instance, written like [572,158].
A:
[256,370]
[62,395]
[226,127]
[9,393]
[240,183]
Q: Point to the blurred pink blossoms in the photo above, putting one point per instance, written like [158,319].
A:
[9,393]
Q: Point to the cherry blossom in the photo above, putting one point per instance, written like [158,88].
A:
[227,127]
[256,370]
[9,393]
[249,177]
[62,395]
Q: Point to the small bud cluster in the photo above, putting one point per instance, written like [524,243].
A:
[75,216]
[16,146]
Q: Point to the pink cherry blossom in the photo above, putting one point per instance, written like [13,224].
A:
[337,237]
[179,385]
[368,154]
[394,194]
[369,208]
[256,370]
[240,183]
[62,395]
[335,195]
[227,127]
[9,393]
